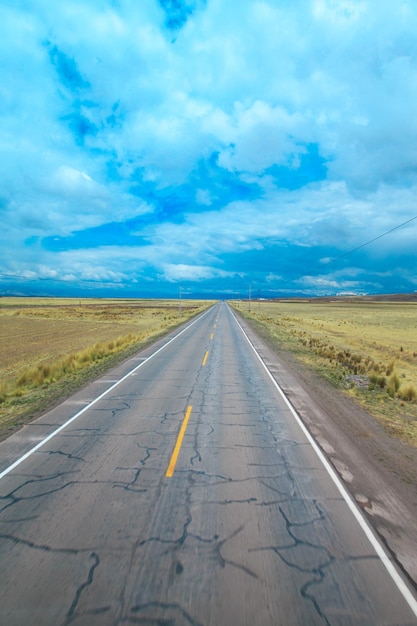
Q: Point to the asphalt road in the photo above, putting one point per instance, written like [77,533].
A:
[181,490]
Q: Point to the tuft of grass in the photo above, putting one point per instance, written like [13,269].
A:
[393,385]
[34,377]
[408,394]
[377,381]
[4,389]
[47,373]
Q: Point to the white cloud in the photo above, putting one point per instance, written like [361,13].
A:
[180,271]
[263,136]
[73,181]
[339,12]
[203,197]
[254,86]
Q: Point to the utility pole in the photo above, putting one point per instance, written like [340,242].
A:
[180,305]
[250,294]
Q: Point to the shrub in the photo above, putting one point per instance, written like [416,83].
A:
[409,394]
[84,357]
[68,364]
[23,379]
[394,381]
[393,385]
[382,381]
[4,388]
[377,381]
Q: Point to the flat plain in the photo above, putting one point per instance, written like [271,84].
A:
[366,348]
[51,346]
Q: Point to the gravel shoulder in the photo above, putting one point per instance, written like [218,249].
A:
[378,470]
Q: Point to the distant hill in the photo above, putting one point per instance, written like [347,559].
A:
[389,297]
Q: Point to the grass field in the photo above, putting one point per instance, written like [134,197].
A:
[367,349]
[51,346]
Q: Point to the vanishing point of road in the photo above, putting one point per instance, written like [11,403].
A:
[182,489]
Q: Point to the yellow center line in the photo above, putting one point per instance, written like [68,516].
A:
[205,358]
[211,336]
[214,325]
[174,457]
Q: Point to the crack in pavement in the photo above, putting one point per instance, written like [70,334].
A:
[44,548]
[18,520]
[223,561]
[197,457]
[125,406]
[16,500]
[223,502]
[293,555]
[13,499]
[60,453]
[129,486]
[164,606]
[83,586]
[177,543]
[222,478]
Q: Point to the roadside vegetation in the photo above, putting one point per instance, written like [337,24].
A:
[365,348]
[50,346]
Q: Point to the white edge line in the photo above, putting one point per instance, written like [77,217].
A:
[363,523]
[102,395]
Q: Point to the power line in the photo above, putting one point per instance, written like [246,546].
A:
[391,230]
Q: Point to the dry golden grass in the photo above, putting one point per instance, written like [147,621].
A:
[48,342]
[368,349]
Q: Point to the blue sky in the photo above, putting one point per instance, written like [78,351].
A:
[153,145]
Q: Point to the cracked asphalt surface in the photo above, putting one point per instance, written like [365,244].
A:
[250,529]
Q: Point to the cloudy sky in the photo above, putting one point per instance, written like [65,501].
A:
[211,146]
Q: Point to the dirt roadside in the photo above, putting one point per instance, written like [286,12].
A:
[380,472]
